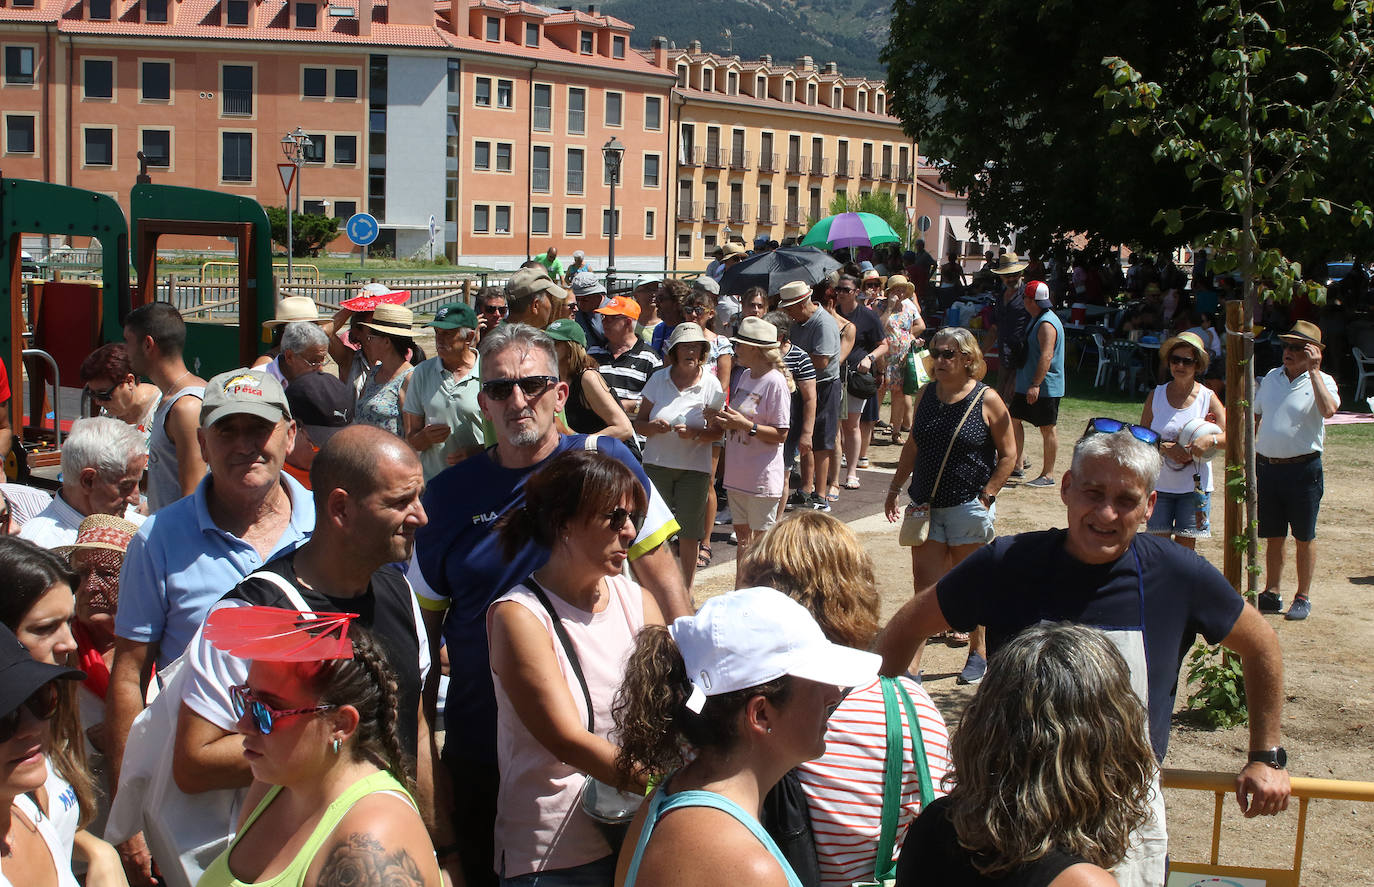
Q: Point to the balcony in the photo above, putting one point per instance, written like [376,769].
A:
[237,102]
[713,213]
[795,216]
[739,159]
[844,169]
[690,157]
[768,162]
[739,213]
[686,211]
[887,173]
[715,158]
[768,214]
[796,166]
[867,170]
[820,166]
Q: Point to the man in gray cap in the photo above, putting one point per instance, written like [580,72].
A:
[533,297]
[589,294]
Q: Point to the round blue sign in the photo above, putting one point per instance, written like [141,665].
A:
[361,228]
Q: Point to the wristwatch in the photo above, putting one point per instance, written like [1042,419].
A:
[754,430]
[992,500]
[1275,757]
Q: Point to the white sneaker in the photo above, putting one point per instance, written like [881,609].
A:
[723,517]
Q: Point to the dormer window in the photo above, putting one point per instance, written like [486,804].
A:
[789,91]
[811,93]
[708,80]
[99,10]
[760,87]
[682,76]
[493,28]
[732,83]
[587,43]
[882,103]
[236,12]
[837,98]
[307,15]
[617,47]
[862,103]
[155,11]
[531,34]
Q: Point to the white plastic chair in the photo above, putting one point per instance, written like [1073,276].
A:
[1104,360]
[1365,366]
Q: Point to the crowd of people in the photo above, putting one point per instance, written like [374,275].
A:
[237,631]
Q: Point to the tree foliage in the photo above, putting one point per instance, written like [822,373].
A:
[309,234]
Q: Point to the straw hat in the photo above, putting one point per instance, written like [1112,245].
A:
[685,334]
[294,308]
[1187,338]
[757,332]
[899,282]
[394,320]
[792,293]
[1306,332]
[1009,263]
[104,532]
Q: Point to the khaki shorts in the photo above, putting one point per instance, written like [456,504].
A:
[755,512]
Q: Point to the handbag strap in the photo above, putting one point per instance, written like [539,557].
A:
[960,427]
[883,866]
[568,649]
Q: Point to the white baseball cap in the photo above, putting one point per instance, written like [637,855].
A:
[755,635]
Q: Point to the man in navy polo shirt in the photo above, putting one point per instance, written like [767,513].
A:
[459,566]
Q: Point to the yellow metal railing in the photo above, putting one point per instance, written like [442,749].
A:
[1222,786]
[218,271]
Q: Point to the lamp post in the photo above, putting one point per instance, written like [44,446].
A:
[293,146]
[613,152]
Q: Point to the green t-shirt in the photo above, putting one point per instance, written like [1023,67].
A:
[554,265]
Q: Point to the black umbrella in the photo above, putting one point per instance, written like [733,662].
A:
[772,269]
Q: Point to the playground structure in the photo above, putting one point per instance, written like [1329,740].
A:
[51,325]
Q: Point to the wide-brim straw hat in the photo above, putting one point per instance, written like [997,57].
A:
[394,320]
[901,284]
[292,309]
[1187,338]
[1010,263]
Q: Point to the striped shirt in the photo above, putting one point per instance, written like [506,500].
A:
[844,787]
[625,375]
[799,364]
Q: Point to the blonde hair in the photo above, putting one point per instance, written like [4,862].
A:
[966,343]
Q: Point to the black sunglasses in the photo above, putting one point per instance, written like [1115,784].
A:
[693,309]
[42,704]
[1182,360]
[618,516]
[1294,346]
[944,353]
[532,386]
[500,310]
[1104,425]
[265,715]
[102,396]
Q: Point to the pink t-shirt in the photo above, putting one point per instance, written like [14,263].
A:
[752,466]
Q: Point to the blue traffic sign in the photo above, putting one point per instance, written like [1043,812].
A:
[361,228]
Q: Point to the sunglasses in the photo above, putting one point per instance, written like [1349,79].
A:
[873,284]
[844,289]
[265,715]
[694,310]
[944,353]
[1103,425]
[531,386]
[42,704]
[1294,346]
[102,396]
[1182,360]
[498,310]
[618,516]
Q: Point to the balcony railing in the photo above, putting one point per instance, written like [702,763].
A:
[686,211]
[539,180]
[796,166]
[739,158]
[712,213]
[543,118]
[905,173]
[690,157]
[237,101]
[715,158]
[795,216]
[820,166]
[768,162]
[844,169]
[574,181]
[767,214]
[867,170]
[739,212]
[888,172]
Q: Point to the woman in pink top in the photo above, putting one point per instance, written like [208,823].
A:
[577,613]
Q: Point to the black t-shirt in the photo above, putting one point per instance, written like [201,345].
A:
[932,855]
[386,609]
[868,333]
[1019,581]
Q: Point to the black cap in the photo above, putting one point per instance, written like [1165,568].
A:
[21,675]
[321,404]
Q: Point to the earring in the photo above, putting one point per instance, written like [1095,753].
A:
[336,745]
[768,730]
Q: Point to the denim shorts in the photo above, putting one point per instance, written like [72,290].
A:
[966,524]
[1175,514]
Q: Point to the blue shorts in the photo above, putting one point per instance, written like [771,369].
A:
[1290,494]
[1175,514]
[966,524]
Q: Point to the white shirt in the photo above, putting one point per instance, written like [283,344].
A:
[679,406]
[57,524]
[1292,424]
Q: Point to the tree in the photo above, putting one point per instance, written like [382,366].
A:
[309,233]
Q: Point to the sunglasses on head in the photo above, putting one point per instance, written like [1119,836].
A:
[531,386]
[42,704]
[618,516]
[102,396]
[264,715]
[1104,425]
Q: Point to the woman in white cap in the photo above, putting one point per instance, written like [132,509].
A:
[1177,410]
[720,706]
[388,343]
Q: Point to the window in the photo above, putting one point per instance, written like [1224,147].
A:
[577,111]
[681,76]
[811,93]
[155,11]
[345,209]
[543,107]
[503,220]
[314,207]
[708,80]
[837,98]
[789,91]
[684,246]
[345,83]
[531,34]
[481,219]
[653,112]
[481,155]
[99,146]
[236,12]
[313,152]
[613,108]
[19,64]
[157,81]
[540,178]
[732,83]
[760,87]
[236,91]
[493,28]
[345,150]
[19,134]
[97,77]
[606,222]
[576,158]
[539,220]
[307,16]
[315,83]
[481,92]
[237,163]
[503,152]
[586,43]
[649,223]
[505,94]
[617,47]
[99,9]
[572,223]
[157,147]
[651,170]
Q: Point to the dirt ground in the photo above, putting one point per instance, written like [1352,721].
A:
[1329,677]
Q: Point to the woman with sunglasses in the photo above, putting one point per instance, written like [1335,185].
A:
[960,453]
[387,350]
[39,608]
[332,796]
[112,386]
[1183,506]
[559,643]
[699,308]
[32,853]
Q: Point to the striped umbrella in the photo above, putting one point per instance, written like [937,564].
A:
[850,230]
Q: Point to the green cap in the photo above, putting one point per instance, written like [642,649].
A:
[566,330]
[454,316]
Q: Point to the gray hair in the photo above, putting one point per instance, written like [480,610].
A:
[516,335]
[108,445]
[302,334]
[1125,450]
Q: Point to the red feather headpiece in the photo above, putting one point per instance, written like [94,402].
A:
[272,634]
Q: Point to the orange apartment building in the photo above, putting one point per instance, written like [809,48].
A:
[488,116]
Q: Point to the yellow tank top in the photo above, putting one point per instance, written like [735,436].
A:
[219,875]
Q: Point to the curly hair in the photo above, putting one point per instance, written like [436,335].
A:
[817,560]
[576,484]
[1051,754]
[368,683]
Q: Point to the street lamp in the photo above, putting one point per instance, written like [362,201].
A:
[613,152]
[293,146]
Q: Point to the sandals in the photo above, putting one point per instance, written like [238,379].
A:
[956,639]
[703,555]
[851,484]
[833,495]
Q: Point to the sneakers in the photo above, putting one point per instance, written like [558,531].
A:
[1018,474]
[863,461]
[1041,481]
[798,499]
[819,503]
[1300,609]
[1270,602]
[723,517]
[974,669]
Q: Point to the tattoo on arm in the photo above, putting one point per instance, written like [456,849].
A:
[362,861]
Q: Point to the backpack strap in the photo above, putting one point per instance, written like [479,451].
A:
[292,593]
[884,869]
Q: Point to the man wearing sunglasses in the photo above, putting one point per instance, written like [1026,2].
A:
[460,566]
[491,309]
[1291,404]
[1151,597]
